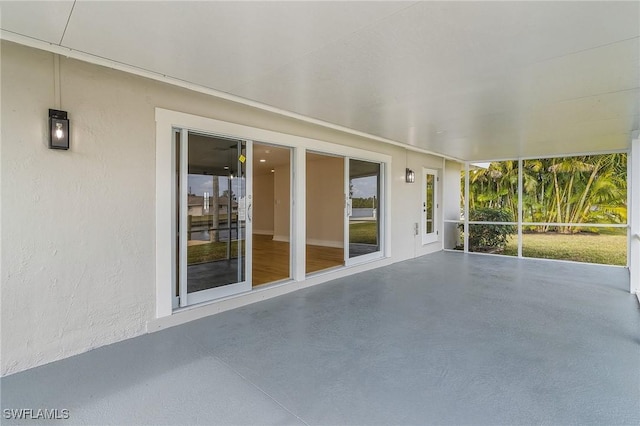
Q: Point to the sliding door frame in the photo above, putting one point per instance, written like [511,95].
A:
[380,219]
[165,264]
[242,285]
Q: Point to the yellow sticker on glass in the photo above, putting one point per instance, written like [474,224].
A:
[242,158]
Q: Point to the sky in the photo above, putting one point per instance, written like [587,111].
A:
[365,187]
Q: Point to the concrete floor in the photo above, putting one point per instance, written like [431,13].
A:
[444,339]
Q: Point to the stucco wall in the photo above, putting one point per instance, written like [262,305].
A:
[78,235]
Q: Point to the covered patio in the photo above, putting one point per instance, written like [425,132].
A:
[447,338]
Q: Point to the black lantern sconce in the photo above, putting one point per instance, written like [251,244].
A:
[410,176]
[58,129]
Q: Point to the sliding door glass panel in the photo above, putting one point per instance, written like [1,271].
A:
[325,212]
[216,212]
[176,254]
[271,214]
[363,209]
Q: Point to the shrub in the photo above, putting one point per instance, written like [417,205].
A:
[487,237]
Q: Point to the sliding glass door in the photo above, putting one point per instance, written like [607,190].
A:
[363,213]
[214,216]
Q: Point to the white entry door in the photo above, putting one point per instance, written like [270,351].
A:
[429,206]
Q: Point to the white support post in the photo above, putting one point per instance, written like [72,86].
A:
[634,234]
[520,179]
[299,235]
[466,207]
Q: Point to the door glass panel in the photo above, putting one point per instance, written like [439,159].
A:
[364,197]
[271,214]
[325,212]
[176,137]
[429,204]
[216,212]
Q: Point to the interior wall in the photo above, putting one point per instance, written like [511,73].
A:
[263,202]
[78,226]
[325,201]
[282,203]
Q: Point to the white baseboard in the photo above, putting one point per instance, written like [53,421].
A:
[283,238]
[325,243]
[262,232]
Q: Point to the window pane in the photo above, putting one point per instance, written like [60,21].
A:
[364,194]
[430,204]
[215,213]
[493,191]
[325,212]
[583,189]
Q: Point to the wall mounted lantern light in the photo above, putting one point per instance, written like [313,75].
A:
[410,176]
[58,129]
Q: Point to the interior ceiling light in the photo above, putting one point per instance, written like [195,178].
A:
[262,160]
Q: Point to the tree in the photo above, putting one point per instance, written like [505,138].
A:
[576,190]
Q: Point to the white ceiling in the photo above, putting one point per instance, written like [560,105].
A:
[472,80]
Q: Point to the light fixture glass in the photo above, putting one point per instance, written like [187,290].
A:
[58,129]
[410,176]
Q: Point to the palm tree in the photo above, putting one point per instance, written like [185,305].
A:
[576,190]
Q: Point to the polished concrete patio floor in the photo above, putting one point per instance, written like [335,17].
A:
[443,339]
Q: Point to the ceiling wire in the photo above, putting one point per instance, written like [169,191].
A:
[67,24]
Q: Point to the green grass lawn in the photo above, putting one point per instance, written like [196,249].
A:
[210,251]
[363,233]
[592,248]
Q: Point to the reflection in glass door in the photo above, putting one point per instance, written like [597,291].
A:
[215,217]
[363,212]
[429,206]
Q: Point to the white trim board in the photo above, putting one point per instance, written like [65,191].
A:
[325,243]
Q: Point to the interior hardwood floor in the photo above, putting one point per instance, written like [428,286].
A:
[271,259]
[319,258]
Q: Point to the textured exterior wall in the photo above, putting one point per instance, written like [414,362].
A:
[78,227]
